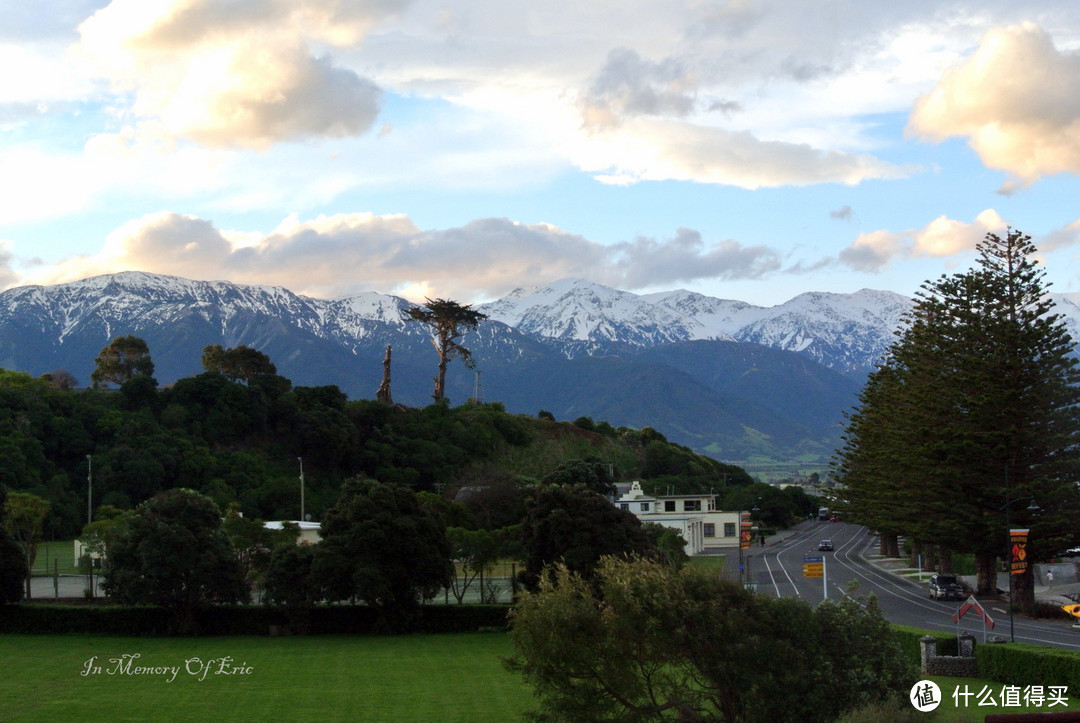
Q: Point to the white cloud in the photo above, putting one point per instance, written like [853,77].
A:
[228,74]
[651,149]
[941,238]
[1016,100]
[336,255]
[1067,235]
[944,237]
[873,251]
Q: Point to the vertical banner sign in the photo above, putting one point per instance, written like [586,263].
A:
[1018,546]
[744,531]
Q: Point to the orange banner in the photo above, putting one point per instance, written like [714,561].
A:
[744,531]
[1018,548]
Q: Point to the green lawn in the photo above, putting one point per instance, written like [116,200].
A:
[451,677]
[363,678]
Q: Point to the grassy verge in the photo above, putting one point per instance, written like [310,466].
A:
[453,677]
[712,563]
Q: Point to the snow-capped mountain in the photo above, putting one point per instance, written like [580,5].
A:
[842,331]
[723,377]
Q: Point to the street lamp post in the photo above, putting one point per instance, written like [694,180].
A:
[1034,509]
[738,526]
[89,489]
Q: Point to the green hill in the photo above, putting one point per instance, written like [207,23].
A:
[243,444]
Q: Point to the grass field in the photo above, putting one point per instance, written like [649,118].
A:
[451,677]
[61,550]
[330,678]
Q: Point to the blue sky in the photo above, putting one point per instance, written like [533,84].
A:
[747,150]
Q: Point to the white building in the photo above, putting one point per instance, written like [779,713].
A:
[309,531]
[694,516]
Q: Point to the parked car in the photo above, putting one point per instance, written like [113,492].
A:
[825,546]
[946,587]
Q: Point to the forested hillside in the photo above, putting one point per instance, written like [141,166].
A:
[244,441]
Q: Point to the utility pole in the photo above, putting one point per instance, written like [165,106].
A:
[89,489]
[477,389]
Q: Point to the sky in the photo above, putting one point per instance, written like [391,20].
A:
[465,148]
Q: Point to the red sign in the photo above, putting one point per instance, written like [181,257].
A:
[745,526]
[973,604]
[1018,548]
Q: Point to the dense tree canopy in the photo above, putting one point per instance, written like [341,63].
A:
[381,546]
[593,475]
[241,363]
[976,408]
[122,360]
[173,552]
[575,526]
[237,442]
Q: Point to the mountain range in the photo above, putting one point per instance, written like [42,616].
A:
[750,385]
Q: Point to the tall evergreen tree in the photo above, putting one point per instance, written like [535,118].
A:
[449,320]
[975,410]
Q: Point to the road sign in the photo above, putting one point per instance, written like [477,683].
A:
[1073,610]
[973,604]
[814,566]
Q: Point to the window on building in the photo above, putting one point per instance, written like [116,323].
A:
[625,506]
[669,505]
[644,506]
[729,529]
[710,529]
[692,505]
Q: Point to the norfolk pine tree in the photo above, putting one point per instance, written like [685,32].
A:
[984,394]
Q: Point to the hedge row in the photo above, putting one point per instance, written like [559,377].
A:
[241,620]
[909,642]
[1013,663]
[1021,664]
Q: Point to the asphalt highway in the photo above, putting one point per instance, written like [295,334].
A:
[854,570]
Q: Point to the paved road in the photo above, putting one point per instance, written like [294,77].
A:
[852,569]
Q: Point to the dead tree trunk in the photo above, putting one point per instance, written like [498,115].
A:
[383,395]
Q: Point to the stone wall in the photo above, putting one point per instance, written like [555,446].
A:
[956,666]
